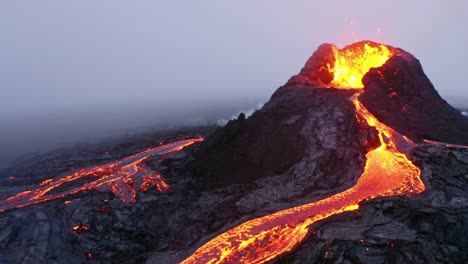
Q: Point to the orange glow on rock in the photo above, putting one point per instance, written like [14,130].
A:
[387,172]
[80,228]
[353,61]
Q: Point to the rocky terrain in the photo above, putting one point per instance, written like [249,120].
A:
[307,143]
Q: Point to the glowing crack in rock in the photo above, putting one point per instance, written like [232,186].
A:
[123,177]
[387,172]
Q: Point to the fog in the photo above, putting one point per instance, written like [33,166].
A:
[88,70]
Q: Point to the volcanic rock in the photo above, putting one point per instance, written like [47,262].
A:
[313,130]
[400,95]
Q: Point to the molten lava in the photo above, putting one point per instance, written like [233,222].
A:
[80,228]
[123,178]
[387,172]
[353,61]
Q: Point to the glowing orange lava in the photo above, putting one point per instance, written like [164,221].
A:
[123,178]
[388,172]
[80,228]
[353,61]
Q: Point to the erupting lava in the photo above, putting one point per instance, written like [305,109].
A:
[123,178]
[387,172]
[353,61]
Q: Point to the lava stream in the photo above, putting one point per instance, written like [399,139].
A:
[123,177]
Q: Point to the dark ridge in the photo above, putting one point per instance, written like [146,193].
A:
[270,141]
[400,95]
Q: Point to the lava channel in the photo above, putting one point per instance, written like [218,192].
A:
[387,172]
[123,177]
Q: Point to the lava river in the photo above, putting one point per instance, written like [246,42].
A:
[123,177]
[387,172]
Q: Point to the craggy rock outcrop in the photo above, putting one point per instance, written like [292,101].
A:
[400,95]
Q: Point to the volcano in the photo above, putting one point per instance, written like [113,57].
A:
[356,159]
[352,116]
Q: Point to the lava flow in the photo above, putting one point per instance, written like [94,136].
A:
[387,172]
[123,177]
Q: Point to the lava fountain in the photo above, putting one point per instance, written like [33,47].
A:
[123,177]
[387,172]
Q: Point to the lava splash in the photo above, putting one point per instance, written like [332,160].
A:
[387,172]
[123,177]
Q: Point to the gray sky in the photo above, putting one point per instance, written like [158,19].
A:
[72,70]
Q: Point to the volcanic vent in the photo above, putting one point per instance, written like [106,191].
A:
[331,152]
